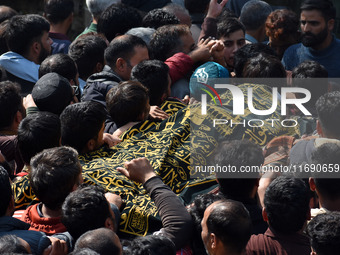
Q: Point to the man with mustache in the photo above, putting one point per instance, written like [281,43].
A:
[318,43]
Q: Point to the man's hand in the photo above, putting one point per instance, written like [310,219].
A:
[111,140]
[138,170]
[202,51]
[157,113]
[28,101]
[114,199]
[215,9]
[57,247]
[217,52]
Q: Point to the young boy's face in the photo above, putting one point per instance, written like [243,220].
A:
[232,43]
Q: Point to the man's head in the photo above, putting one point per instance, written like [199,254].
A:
[12,110]
[226,227]
[82,126]
[6,12]
[288,195]
[317,22]
[263,66]
[54,174]
[324,233]
[96,7]
[159,17]
[328,189]
[37,132]
[102,240]
[154,75]
[58,11]
[124,52]
[171,39]
[117,19]
[61,64]
[328,110]
[248,51]
[152,245]
[238,153]
[88,53]
[302,77]
[11,244]
[86,209]
[128,102]
[28,36]
[253,16]
[232,33]
[6,201]
[180,12]
[52,93]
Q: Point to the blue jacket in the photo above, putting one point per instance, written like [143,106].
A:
[12,226]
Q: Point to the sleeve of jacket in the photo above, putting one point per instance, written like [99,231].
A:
[179,65]
[176,221]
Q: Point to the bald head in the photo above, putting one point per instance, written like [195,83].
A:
[226,226]
[102,240]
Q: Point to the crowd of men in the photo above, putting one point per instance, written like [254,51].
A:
[60,99]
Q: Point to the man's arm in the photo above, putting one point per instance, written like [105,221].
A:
[176,221]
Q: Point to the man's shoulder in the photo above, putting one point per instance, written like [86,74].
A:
[293,49]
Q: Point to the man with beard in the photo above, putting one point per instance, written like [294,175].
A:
[318,43]
[29,43]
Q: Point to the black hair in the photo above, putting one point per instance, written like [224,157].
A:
[229,26]
[37,132]
[158,17]
[87,51]
[117,19]
[10,103]
[100,240]
[10,244]
[196,6]
[61,64]
[196,211]
[5,191]
[23,30]
[248,51]
[153,74]
[166,41]
[6,13]
[230,221]
[57,11]
[326,154]
[85,209]
[54,172]
[324,233]
[80,123]
[291,196]
[122,47]
[152,245]
[237,153]
[254,14]
[326,7]
[84,251]
[127,102]
[301,78]
[328,109]
[263,66]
